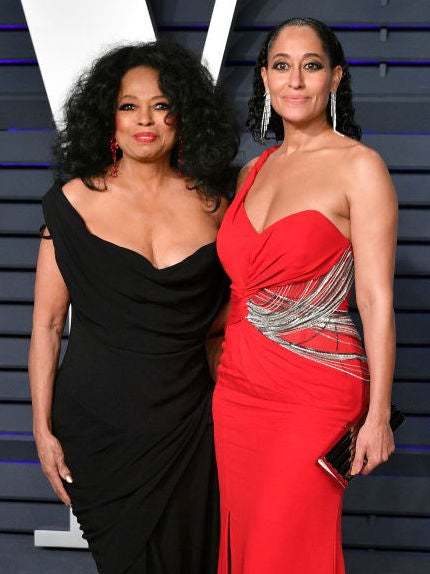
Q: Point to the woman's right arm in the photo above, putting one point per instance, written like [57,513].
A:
[51,302]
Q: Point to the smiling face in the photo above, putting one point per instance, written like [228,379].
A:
[298,76]
[142,127]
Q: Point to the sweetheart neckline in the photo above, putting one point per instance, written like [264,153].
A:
[128,249]
[247,184]
[288,216]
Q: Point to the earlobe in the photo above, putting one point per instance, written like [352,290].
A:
[337,77]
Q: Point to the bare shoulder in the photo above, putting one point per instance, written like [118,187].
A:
[370,191]
[366,171]
[74,189]
[77,192]
[361,160]
[243,174]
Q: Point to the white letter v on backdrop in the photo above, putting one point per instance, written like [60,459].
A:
[68,34]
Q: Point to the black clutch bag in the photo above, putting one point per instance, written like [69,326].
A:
[337,461]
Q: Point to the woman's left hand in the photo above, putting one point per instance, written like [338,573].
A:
[374,445]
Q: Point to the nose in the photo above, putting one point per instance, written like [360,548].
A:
[295,77]
[145,116]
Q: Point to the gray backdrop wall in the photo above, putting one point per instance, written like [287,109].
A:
[387,43]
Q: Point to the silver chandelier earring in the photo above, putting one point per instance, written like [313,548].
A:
[265,118]
[333,111]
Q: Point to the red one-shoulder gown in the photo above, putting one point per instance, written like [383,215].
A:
[293,373]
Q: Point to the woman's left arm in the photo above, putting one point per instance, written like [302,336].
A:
[373,214]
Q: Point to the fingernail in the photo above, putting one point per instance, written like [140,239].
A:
[68,478]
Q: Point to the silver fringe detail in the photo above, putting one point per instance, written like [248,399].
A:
[265,118]
[333,112]
[281,313]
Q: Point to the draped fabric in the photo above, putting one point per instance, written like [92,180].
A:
[307,319]
[132,403]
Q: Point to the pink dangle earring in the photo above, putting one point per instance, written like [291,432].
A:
[113,149]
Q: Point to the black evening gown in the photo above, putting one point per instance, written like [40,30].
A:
[132,400]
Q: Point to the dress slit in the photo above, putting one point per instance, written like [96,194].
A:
[228,545]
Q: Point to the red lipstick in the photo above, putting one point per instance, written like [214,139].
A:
[145,137]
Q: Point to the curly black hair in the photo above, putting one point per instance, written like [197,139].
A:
[207,126]
[345,123]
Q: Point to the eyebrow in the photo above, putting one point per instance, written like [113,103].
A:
[307,55]
[128,96]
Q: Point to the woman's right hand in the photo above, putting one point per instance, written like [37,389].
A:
[51,457]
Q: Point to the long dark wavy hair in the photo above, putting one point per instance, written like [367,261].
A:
[345,123]
[207,126]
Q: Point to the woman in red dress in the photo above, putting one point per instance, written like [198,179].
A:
[311,215]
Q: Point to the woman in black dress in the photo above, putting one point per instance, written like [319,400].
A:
[123,427]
